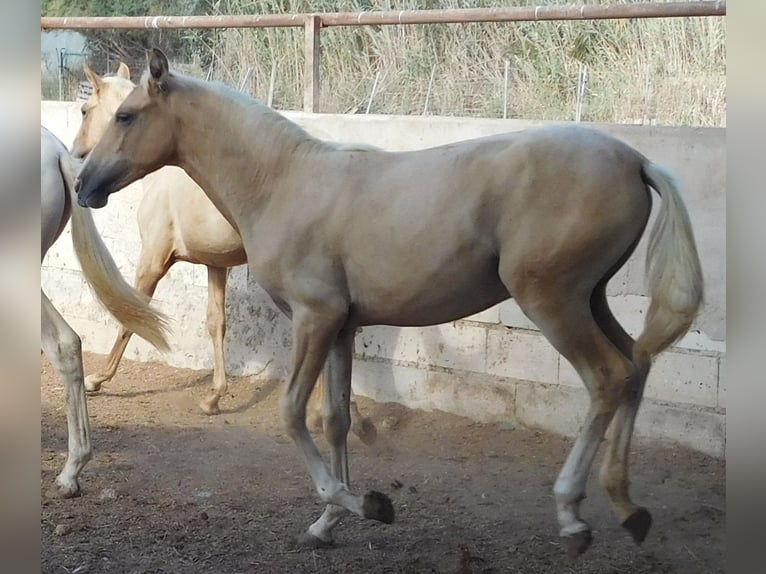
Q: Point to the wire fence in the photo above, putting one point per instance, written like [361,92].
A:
[665,71]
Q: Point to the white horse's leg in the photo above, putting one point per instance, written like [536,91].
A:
[606,372]
[216,325]
[152,267]
[63,348]
[336,421]
[313,335]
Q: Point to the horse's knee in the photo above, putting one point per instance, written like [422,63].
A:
[216,327]
[69,350]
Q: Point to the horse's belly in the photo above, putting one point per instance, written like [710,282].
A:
[214,252]
[409,301]
[207,238]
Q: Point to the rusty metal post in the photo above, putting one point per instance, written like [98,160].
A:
[311,70]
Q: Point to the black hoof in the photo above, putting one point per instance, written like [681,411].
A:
[578,543]
[378,507]
[638,524]
[311,542]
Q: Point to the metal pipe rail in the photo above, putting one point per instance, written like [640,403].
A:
[447,16]
[314,22]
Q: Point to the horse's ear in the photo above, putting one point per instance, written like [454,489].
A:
[158,70]
[93,78]
[123,71]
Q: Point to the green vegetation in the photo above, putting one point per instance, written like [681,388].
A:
[130,45]
[669,71]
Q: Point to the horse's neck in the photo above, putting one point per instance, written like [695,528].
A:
[237,150]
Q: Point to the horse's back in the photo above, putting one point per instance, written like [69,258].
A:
[536,181]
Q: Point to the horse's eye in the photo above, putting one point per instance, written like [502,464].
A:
[123,118]
[84,112]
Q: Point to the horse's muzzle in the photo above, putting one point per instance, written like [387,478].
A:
[92,200]
[96,182]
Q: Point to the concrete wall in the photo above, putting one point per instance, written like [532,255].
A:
[492,366]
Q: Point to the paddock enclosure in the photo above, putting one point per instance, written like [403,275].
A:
[473,417]
[171,490]
[493,366]
[185,492]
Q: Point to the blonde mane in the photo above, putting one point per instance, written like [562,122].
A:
[278,126]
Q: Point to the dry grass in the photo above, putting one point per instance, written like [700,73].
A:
[663,71]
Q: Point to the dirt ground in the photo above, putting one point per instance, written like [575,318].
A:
[171,490]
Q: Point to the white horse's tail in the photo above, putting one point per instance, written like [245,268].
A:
[128,306]
[673,269]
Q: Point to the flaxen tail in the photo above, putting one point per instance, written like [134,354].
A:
[673,269]
[128,306]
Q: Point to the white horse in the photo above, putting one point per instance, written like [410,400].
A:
[344,238]
[177,222]
[59,341]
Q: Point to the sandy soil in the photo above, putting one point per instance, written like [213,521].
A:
[171,490]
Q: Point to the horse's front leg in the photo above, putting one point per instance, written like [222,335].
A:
[315,333]
[336,421]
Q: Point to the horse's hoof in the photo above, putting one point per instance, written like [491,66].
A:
[311,542]
[366,431]
[578,543]
[378,507]
[210,407]
[93,383]
[638,524]
[61,491]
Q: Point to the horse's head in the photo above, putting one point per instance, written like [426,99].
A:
[108,93]
[138,139]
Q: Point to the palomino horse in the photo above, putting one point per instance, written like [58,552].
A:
[176,222]
[343,238]
[59,341]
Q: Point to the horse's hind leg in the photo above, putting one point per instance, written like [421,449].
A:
[567,322]
[216,325]
[362,426]
[614,467]
[63,348]
[151,268]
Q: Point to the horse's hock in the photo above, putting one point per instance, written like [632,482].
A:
[491,366]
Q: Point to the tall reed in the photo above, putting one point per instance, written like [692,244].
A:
[666,71]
